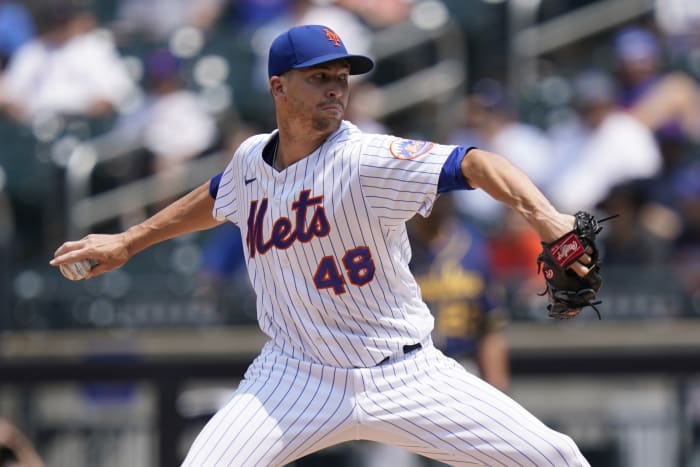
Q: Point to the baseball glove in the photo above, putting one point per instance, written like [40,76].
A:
[567,292]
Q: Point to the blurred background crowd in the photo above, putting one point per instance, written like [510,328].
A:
[109,109]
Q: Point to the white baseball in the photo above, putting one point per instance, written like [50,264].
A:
[76,271]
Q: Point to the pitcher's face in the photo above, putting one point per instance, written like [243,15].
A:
[317,95]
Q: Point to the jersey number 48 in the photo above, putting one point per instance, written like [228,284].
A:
[358,265]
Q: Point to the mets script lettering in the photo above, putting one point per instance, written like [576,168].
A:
[285,231]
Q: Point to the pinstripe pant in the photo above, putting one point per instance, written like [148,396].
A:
[424,402]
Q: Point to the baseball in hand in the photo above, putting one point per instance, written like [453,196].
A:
[76,271]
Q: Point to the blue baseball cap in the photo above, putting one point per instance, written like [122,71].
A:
[305,46]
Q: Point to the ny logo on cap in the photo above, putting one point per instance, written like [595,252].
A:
[332,37]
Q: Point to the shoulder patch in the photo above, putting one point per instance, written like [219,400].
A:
[407,149]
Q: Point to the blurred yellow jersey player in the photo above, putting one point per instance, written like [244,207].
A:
[451,264]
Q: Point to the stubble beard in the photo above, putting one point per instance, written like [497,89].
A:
[318,119]
[325,124]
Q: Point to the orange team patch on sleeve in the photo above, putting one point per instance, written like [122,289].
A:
[408,149]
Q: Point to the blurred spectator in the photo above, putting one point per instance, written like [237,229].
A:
[222,256]
[249,15]
[70,68]
[379,14]
[667,102]
[15,449]
[171,126]
[679,22]
[639,61]
[686,189]
[16,29]
[602,147]
[252,14]
[513,250]
[491,122]
[671,108]
[223,275]
[157,20]
[642,235]
[360,109]
[176,127]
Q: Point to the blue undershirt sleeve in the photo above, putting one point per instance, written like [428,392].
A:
[451,177]
[214,185]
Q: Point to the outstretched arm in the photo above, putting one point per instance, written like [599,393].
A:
[191,213]
[509,185]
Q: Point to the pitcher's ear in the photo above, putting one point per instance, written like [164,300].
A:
[276,86]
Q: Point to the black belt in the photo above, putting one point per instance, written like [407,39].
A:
[407,349]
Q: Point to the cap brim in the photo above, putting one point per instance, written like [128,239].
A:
[359,64]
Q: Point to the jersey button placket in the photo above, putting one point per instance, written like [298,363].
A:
[277,192]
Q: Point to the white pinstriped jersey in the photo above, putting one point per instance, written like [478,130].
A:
[328,254]
[326,245]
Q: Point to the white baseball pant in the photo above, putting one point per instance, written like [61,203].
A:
[424,402]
